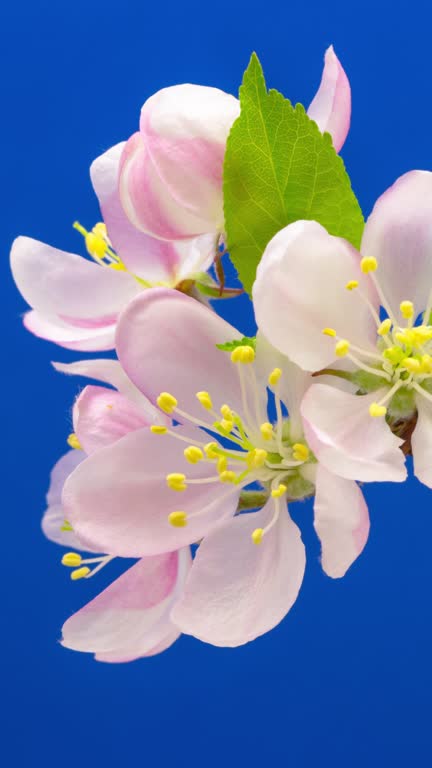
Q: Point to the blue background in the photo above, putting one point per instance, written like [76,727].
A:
[346,679]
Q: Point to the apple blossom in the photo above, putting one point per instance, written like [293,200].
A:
[171,176]
[318,301]
[131,617]
[159,489]
[75,302]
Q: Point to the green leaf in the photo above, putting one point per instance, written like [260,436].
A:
[278,169]
[246,341]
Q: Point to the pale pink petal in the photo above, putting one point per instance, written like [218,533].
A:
[300,289]
[54,516]
[185,129]
[148,201]
[237,590]
[118,500]
[331,105]
[56,283]
[399,234]
[166,342]
[341,520]
[97,339]
[421,441]
[347,440]
[101,416]
[110,372]
[151,259]
[131,617]
[125,655]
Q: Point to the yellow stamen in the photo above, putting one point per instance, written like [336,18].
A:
[178,519]
[211,450]
[256,458]
[351,285]
[274,377]
[158,429]
[279,491]
[222,464]
[95,245]
[329,332]
[377,410]
[118,265]
[406,337]
[407,309]
[368,264]
[385,326]
[166,402]
[74,442]
[226,425]
[193,454]
[426,364]
[257,535]
[71,559]
[100,229]
[176,481]
[300,452]
[243,354]
[394,355]
[227,413]
[266,430]
[80,573]
[342,348]
[411,364]
[228,476]
[205,400]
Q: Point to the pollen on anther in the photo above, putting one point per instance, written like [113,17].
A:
[257,535]
[177,519]
[279,491]
[342,348]
[74,442]
[407,309]
[274,377]
[243,354]
[166,402]
[351,285]
[368,264]
[228,476]
[80,573]
[300,452]
[193,454]
[329,332]
[266,430]
[71,559]
[176,481]
[376,410]
[205,400]
[158,429]
[385,327]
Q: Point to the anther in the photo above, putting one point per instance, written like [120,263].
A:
[80,573]
[71,559]
[385,327]
[256,458]
[211,450]
[426,363]
[166,402]
[176,481]
[266,430]
[274,377]
[193,454]
[351,285]
[100,229]
[95,245]
[74,442]
[329,332]
[394,355]
[257,535]
[228,476]
[205,400]
[178,519]
[279,491]
[158,429]
[342,348]
[377,410]
[300,452]
[368,264]
[407,309]
[411,364]
[243,354]
[227,412]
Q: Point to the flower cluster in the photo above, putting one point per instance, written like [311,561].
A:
[196,439]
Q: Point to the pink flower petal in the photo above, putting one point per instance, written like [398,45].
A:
[300,289]
[166,342]
[347,440]
[148,202]
[54,515]
[185,128]
[131,617]
[101,416]
[421,441]
[341,520]
[118,500]
[237,590]
[399,234]
[56,283]
[331,105]
[125,655]
[98,339]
